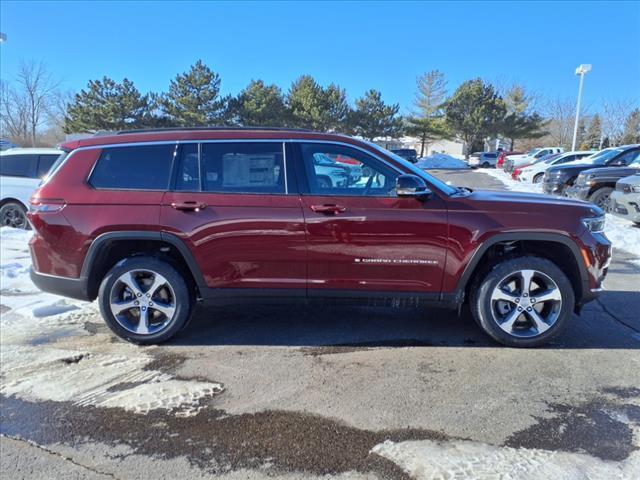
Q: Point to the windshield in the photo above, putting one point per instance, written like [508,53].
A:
[439,184]
[533,151]
[601,157]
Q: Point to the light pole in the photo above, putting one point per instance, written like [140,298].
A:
[581,70]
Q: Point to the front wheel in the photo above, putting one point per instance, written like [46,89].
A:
[144,300]
[602,198]
[523,302]
[538,178]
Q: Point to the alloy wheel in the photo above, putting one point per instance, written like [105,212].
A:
[142,302]
[14,217]
[526,303]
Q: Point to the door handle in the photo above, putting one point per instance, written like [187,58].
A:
[328,209]
[188,206]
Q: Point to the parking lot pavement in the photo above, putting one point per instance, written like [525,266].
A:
[329,391]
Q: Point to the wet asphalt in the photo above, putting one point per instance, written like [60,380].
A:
[309,391]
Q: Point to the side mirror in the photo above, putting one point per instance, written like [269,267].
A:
[412,186]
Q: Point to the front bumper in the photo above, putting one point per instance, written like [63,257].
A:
[580,192]
[67,287]
[626,205]
[553,188]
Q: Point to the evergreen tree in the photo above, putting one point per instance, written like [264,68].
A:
[428,122]
[194,98]
[317,108]
[593,135]
[632,128]
[259,105]
[519,123]
[108,105]
[373,118]
[475,112]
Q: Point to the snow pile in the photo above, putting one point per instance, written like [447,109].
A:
[441,161]
[47,354]
[470,460]
[622,233]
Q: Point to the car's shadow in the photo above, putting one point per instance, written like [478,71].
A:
[345,326]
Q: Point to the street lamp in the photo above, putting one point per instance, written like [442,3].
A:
[581,70]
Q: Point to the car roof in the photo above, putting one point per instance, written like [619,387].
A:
[200,134]
[31,151]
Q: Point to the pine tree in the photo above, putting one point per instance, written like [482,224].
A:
[317,108]
[194,98]
[427,123]
[259,105]
[108,105]
[632,128]
[519,123]
[373,118]
[475,112]
[593,135]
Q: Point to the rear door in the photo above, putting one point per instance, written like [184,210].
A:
[237,208]
[362,238]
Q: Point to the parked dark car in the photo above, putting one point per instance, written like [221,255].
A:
[558,178]
[407,153]
[597,184]
[231,214]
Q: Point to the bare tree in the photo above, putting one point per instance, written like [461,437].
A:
[561,114]
[614,116]
[26,104]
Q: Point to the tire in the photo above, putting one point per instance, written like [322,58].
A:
[502,320]
[14,214]
[601,198]
[170,293]
[486,165]
[538,178]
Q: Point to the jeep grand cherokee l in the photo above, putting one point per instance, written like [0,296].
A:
[151,222]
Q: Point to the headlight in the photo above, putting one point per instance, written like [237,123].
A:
[594,224]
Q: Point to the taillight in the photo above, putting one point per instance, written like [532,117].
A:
[46,205]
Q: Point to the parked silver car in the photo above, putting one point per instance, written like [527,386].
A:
[625,199]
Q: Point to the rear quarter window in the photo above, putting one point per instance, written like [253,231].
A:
[134,168]
[18,165]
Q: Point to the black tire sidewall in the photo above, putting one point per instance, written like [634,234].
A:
[538,178]
[480,301]
[184,300]
[18,206]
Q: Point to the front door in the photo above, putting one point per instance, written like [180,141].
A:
[361,237]
[238,211]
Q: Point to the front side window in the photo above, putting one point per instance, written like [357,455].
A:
[340,170]
[252,167]
[18,165]
[144,167]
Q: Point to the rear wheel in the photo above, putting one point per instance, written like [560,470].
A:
[523,302]
[144,300]
[13,214]
[538,178]
[602,198]
[486,165]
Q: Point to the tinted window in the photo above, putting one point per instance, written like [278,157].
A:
[18,165]
[188,169]
[44,164]
[490,155]
[627,157]
[135,168]
[340,170]
[243,167]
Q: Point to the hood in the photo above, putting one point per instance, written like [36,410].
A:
[533,200]
[573,168]
[612,171]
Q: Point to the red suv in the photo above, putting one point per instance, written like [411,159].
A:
[152,222]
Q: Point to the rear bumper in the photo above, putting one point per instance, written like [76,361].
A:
[67,287]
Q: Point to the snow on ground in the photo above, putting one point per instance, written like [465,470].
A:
[47,354]
[476,461]
[441,161]
[622,233]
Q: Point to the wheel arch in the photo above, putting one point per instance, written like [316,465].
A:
[553,246]
[6,200]
[110,247]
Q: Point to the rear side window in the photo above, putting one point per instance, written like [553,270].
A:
[145,167]
[242,168]
[44,164]
[18,165]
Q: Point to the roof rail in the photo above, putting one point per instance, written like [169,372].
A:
[215,128]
